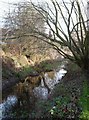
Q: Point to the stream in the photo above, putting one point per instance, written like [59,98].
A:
[41,92]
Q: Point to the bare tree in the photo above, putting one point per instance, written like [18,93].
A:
[20,23]
[67,23]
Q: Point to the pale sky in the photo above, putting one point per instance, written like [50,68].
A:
[4,6]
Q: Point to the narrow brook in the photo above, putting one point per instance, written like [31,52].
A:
[41,92]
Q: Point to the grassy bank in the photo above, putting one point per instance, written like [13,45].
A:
[69,98]
[84,100]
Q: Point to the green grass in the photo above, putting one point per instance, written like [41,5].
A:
[48,65]
[84,100]
[25,71]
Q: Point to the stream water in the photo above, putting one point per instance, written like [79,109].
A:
[41,92]
[7,105]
